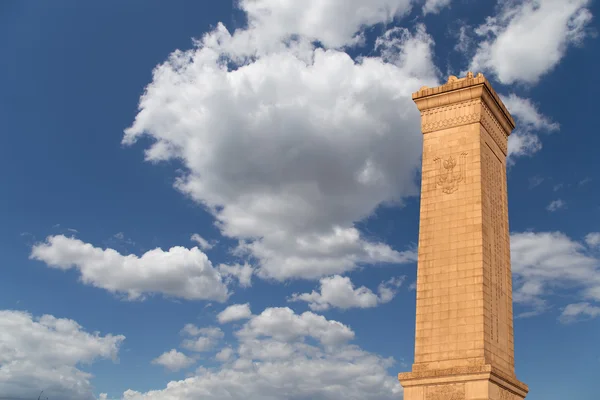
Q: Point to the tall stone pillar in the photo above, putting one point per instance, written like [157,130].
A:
[464,345]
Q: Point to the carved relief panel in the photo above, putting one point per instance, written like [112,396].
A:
[506,395]
[496,256]
[446,392]
[450,172]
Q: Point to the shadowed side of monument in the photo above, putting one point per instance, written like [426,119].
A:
[464,346]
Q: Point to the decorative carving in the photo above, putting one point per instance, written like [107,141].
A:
[435,118]
[449,116]
[464,370]
[445,392]
[493,127]
[447,177]
[506,395]
[496,259]
[432,373]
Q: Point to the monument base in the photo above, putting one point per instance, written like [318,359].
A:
[463,383]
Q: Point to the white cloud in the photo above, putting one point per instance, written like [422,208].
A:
[334,23]
[464,39]
[578,310]
[593,239]
[434,6]
[556,205]
[276,361]
[339,292]
[546,262]
[200,345]
[225,354]
[173,360]
[387,290]
[409,51]
[296,144]
[284,325]
[537,33]
[234,313]
[191,330]
[178,272]
[243,273]
[46,353]
[522,144]
[584,181]
[205,339]
[535,181]
[210,331]
[527,114]
[524,141]
[203,243]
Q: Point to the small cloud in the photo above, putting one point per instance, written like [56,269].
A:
[532,313]
[340,292]
[211,331]
[522,144]
[593,239]
[530,121]
[225,354]
[243,274]
[528,114]
[585,181]
[434,6]
[120,236]
[60,228]
[234,313]
[203,243]
[525,40]
[204,339]
[169,273]
[545,263]
[200,344]
[464,40]
[535,181]
[556,205]
[558,186]
[572,312]
[173,360]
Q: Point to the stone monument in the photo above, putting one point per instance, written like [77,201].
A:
[464,347]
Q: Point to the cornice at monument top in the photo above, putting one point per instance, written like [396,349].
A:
[456,103]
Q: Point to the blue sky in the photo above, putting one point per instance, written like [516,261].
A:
[283,136]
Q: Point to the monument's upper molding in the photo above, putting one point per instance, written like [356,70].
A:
[464,90]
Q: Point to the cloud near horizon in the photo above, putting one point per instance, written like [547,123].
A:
[48,352]
[282,354]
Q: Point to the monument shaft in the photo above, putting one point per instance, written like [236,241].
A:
[464,346]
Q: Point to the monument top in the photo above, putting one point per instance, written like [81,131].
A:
[463,89]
